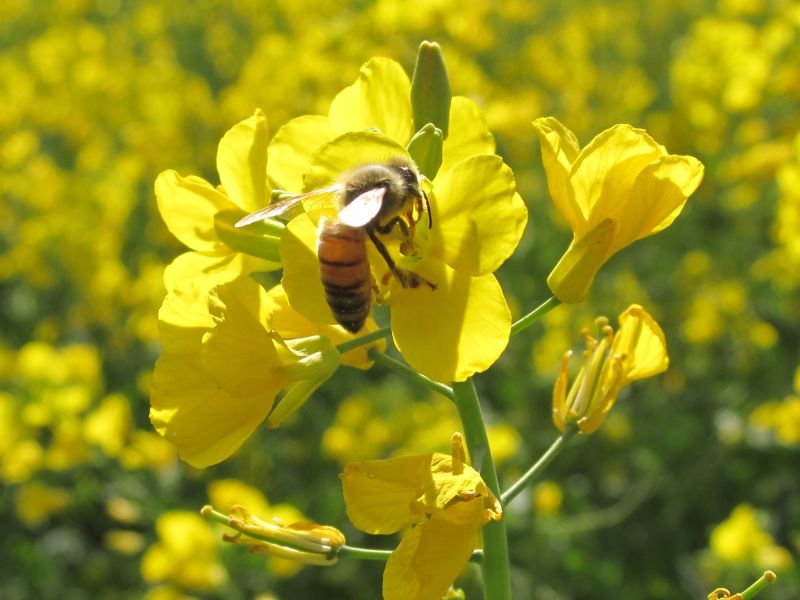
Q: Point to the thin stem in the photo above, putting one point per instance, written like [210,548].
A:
[406,371]
[554,450]
[346,551]
[364,340]
[536,314]
[767,578]
[496,571]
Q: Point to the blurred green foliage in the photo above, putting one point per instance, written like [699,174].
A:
[99,97]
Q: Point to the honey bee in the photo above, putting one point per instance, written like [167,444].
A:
[371,199]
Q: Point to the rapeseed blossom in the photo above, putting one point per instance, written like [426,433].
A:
[201,215]
[619,188]
[438,499]
[476,221]
[637,350]
[229,349]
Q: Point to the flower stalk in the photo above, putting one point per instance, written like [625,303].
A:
[539,466]
[496,572]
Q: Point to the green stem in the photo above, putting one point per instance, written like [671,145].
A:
[346,551]
[364,340]
[767,578]
[403,369]
[536,314]
[496,571]
[554,450]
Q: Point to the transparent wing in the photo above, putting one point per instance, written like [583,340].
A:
[283,206]
[363,208]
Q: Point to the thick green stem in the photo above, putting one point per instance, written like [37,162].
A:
[403,369]
[536,314]
[496,571]
[554,450]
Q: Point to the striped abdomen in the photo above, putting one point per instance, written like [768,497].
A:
[345,274]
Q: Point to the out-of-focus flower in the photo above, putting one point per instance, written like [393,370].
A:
[782,418]
[228,352]
[547,497]
[461,327]
[202,216]
[185,554]
[124,542]
[301,542]
[440,498]
[742,539]
[621,187]
[637,350]
[109,425]
[36,502]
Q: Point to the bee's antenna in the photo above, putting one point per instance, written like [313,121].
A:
[428,204]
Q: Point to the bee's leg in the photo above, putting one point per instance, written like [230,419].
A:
[384,229]
[428,204]
[406,278]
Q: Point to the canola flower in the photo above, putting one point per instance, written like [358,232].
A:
[201,215]
[619,188]
[476,220]
[301,542]
[439,500]
[229,349]
[636,351]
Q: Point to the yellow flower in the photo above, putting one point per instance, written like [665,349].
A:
[742,539]
[228,351]
[636,351]
[441,499]
[36,502]
[202,216]
[185,554]
[621,187]
[109,425]
[461,327]
[301,542]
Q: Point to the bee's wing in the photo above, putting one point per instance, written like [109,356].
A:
[363,208]
[282,206]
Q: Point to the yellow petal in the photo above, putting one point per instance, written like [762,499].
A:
[572,277]
[455,331]
[605,171]
[183,317]
[451,480]
[642,342]
[469,133]
[478,217]
[560,149]
[238,353]
[431,556]
[301,278]
[188,206]
[658,197]
[189,409]
[292,147]
[242,163]
[379,494]
[215,267]
[348,151]
[560,406]
[379,99]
